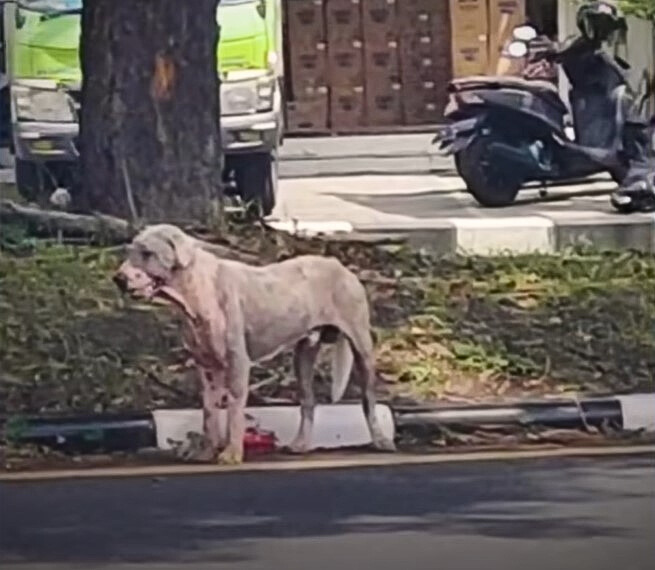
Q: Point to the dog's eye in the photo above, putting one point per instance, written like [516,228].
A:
[146,254]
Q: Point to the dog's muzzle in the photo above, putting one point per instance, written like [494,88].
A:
[121,281]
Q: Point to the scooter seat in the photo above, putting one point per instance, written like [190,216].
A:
[538,87]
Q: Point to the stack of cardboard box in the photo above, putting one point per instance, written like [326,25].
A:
[346,64]
[479,30]
[353,64]
[307,109]
[382,65]
[425,58]
[504,16]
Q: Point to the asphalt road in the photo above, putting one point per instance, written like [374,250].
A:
[540,515]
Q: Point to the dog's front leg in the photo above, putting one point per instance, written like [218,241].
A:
[213,399]
[204,447]
[237,396]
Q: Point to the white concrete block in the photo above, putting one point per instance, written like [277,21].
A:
[495,236]
[335,426]
[638,411]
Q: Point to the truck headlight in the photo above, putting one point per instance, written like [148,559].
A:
[246,97]
[38,104]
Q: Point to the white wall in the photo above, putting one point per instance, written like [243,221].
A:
[639,52]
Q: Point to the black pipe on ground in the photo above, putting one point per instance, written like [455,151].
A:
[83,434]
[564,414]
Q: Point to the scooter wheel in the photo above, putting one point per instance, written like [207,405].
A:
[492,183]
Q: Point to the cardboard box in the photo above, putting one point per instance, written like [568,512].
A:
[343,22]
[308,113]
[423,103]
[382,63]
[309,68]
[346,108]
[384,104]
[469,31]
[419,59]
[305,24]
[346,65]
[470,58]
[504,16]
[414,19]
[379,22]
[469,19]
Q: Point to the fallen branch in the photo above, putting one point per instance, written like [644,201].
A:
[228,253]
[96,227]
[47,223]
[183,395]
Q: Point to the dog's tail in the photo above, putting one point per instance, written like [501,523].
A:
[342,363]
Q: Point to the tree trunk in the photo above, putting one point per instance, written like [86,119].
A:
[149,127]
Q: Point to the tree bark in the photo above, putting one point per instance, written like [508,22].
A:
[149,126]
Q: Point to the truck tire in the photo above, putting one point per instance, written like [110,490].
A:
[256,179]
[32,180]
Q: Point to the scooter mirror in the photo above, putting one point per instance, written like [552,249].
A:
[524,33]
[517,49]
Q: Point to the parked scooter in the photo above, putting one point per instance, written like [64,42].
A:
[507,131]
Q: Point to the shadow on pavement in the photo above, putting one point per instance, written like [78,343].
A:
[441,204]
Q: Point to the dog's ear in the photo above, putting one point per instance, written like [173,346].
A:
[183,247]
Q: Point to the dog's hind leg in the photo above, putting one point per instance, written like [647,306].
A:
[365,372]
[304,357]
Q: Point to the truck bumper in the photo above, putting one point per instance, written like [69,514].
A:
[241,134]
[244,134]
[44,142]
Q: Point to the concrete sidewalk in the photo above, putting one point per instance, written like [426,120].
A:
[435,211]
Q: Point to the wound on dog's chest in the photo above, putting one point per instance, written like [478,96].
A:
[206,351]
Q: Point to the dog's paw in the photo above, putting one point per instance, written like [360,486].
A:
[196,449]
[230,456]
[385,445]
[298,447]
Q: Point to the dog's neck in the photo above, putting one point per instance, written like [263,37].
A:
[173,296]
[183,292]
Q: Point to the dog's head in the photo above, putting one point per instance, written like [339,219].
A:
[154,257]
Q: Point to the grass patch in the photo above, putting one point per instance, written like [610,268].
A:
[529,325]
[445,328]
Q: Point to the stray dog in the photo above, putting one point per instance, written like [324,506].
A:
[236,314]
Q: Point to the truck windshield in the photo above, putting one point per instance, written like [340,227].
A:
[52,6]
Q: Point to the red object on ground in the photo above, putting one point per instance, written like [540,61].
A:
[258,442]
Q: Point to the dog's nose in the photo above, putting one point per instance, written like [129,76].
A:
[121,281]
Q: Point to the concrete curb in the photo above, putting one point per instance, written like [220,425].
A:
[633,412]
[504,235]
[315,464]
[343,425]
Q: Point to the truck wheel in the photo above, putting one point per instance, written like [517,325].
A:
[492,183]
[33,181]
[256,180]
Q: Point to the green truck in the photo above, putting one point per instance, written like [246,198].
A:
[41,84]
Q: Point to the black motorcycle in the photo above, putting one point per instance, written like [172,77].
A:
[507,131]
